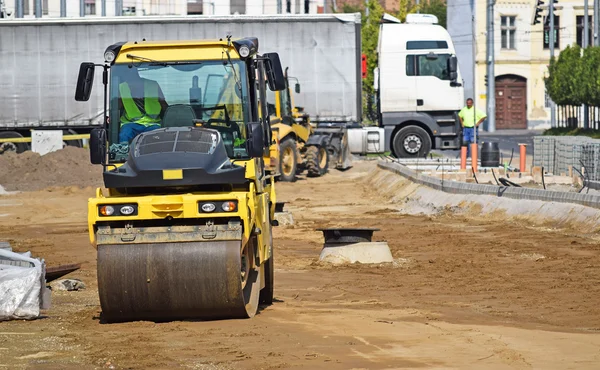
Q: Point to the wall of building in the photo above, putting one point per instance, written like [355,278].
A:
[459,25]
[529,59]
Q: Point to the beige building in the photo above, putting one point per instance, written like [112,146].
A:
[522,56]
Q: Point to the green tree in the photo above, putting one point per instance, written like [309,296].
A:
[437,8]
[348,8]
[405,7]
[370,37]
[589,76]
[563,83]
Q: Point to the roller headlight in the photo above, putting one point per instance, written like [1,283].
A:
[107,210]
[109,56]
[229,206]
[127,210]
[208,207]
[117,210]
[217,207]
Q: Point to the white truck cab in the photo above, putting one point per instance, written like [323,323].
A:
[418,85]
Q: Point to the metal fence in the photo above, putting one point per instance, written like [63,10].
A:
[559,154]
[572,116]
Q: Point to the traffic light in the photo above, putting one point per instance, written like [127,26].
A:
[537,13]
[485,80]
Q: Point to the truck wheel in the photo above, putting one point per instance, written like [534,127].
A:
[411,142]
[317,161]
[75,143]
[288,160]
[6,147]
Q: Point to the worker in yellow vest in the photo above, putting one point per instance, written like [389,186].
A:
[142,103]
[470,119]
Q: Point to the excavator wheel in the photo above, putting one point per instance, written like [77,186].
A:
[288,160]
[168,281]
[317,161]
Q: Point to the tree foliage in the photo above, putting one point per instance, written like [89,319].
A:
[370,37]
[435,7]
[574,78]
[562,80]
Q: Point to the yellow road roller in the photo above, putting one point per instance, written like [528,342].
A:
[183,224]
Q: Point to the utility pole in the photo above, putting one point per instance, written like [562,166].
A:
[586,43]
[104,8]
[82,8]
[63,8]
[491,86]
[474,97]
[551,45]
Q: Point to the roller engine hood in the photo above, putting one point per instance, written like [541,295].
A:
[199,153]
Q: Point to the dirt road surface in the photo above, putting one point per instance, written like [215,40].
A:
[463,292]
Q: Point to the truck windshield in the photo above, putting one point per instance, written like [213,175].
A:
[151,95]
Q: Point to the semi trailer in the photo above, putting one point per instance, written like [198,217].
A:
[418,85]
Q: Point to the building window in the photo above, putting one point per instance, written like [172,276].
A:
[26,7]
[556,32]
[580,30]
[90,7]
[508,29]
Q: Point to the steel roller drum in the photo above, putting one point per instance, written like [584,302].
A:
[166,281]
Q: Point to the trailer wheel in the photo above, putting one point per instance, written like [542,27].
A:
[288,160]
[411,142]
[317,161]
[6,147]
[75,143]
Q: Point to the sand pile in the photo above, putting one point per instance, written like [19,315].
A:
[29,171]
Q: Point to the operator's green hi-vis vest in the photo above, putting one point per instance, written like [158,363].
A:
[132,112]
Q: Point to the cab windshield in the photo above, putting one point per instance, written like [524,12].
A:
[151,95]
[286,106]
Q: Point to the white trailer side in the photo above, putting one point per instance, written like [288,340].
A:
[40,61]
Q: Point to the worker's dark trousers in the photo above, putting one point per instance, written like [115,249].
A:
[469,138]
[130,130]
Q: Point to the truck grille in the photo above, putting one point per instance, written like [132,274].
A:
[190,141]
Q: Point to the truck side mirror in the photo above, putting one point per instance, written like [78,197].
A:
[297,88]
[97,146]
[274,72]
[85,81]
[453,68]
[256,140]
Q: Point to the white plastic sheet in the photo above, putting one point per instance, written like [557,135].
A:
[22,285]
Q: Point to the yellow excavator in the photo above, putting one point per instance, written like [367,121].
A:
[295,149]
[183,226]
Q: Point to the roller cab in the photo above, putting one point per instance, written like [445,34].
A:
[183,226]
